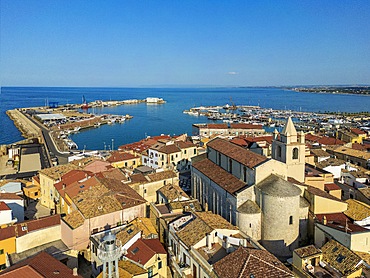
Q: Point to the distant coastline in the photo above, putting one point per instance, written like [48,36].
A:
[348,90]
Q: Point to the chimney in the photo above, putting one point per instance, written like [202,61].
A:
[324,221]
[206,207]
[75,271]
[208,239]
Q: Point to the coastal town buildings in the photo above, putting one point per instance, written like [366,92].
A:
[224,129]
[242,186]
[170,154]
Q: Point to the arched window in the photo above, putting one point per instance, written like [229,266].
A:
[230,165]
[290,220]
[279,151]
[295,153]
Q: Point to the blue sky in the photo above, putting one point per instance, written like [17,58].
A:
[184,43]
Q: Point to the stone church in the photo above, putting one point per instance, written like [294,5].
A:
[253,192]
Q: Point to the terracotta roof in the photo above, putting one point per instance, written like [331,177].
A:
[138,178]
[276,186]
[330,162]
[239,141]
[330,141]
[77,187]
[239,154]
[168,149]
[311,137]
[365,191]
[217,126]
[144,249]
[145,225]
[4,206]
[318,192]
[332,217]
[161,176]
[185,145]
[357,210]
[194,232]
[97,166]
[10,196]
[361,147]
[71,177]
[96,201]
[358,131]
[221,177]
[250,139]
[307,251]
[340,257]
[351,152]
[40,265]
[245,126]
[127,233]
[215,221]
[249,206]
[346,227]
[331,186]
[113,173]
[26,227]
[74,219]
[132,268]
[120,156]
[248,262]
[319,153]
[7,232]
[57,172]
[172,192]
[123,193]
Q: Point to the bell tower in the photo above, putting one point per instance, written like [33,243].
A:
[289,148]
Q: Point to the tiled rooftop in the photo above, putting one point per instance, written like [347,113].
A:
[193,232]
[118,156]
[127,233]
[145,225]
[307,251]
[249,206]
[40,265]
[239,154]
[57,172]
[74,219]
[28,226]
[144,249]
[248,262]
[215,221]
[318,192]
[96,201]
[217,174]
[276,186]
[161,176]
[245,126]
[351,152]
[340,257]
[331,186]
[132,268]
[172,192]
[357,210]
[10,196]
[319,153]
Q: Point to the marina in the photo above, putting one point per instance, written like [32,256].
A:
[149,119]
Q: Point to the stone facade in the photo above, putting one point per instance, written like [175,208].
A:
[252,191]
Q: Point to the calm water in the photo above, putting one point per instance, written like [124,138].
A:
[166,118]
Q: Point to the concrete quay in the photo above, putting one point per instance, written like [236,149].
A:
[28,128]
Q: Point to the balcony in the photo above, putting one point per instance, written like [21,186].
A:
[181,268]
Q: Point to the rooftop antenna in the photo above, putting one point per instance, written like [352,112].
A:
[109,251]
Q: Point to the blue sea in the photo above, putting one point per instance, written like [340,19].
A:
[168,118]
